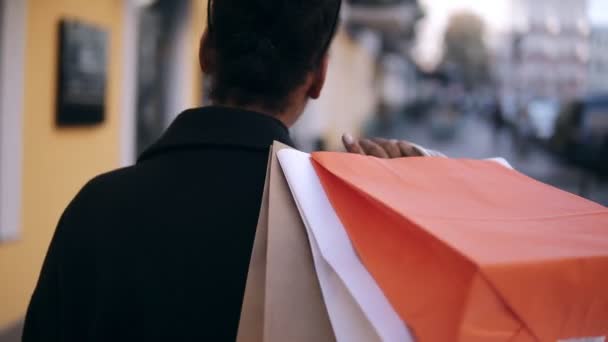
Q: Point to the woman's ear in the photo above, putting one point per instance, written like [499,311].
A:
[206,54]
[318,81]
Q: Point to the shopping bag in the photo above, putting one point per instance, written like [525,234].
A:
[282,300]
[357,308]
[304,286]
[472,251]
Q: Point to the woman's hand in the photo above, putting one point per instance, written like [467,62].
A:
[382,148]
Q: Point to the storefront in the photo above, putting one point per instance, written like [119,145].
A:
[43,163]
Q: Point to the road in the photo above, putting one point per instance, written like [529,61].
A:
[475,138]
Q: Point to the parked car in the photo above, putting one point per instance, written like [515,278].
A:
[581,132]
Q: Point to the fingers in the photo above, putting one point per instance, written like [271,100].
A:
[381,148]
[373,149]
[408,150]
[391,147]
[352,145]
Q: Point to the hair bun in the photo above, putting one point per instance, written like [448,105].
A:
[252,59]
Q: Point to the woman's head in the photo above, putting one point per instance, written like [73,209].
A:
[262,52]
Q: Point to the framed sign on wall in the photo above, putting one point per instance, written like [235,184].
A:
[83,70]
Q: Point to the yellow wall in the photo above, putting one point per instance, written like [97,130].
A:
[57,162]
[349,96]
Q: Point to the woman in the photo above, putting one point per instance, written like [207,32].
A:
[160,250]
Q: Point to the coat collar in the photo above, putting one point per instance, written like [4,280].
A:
[220,127]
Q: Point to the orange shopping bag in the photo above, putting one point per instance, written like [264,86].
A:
[472,251]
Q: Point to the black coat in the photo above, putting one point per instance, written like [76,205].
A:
[160,251]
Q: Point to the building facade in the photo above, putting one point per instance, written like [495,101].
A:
[597,80]
[43,165]
[547,53]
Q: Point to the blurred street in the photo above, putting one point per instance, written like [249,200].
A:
[474,137]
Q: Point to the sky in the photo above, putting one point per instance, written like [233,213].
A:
[496,14]
[598,12]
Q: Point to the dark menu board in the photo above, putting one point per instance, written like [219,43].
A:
[83,69]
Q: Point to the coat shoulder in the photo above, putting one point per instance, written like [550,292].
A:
[112,182]
[98,194]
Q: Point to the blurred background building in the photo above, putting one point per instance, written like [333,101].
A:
[545,52]
[597,79]
[522,79]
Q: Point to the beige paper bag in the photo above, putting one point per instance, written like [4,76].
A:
[283,300]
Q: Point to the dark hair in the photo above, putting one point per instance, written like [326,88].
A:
[262,50]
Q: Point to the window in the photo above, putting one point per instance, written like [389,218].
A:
[12,45]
